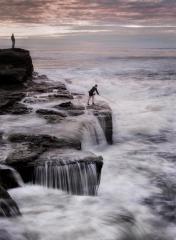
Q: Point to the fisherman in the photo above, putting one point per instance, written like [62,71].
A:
[92,93]
[13,40]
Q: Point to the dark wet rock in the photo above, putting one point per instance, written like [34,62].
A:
[52,116]
[15,66]
[8,100]
[65,105]
[46,86]
[24,153]
[47,141]
[8,207]
[28,148]
[60,95]
[104,114]
[75,112]
[76,172]
[51,112]
[12,76]
[22,156]
[71,109]
[53,119]
[8,178]
[18,108]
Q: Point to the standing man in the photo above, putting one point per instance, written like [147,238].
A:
[13,40]
[92,92]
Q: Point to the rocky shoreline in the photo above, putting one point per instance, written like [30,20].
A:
[42,130]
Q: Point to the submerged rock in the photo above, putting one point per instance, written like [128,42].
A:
[104,114]
[8,207]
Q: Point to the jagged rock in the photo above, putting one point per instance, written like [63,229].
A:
[104,114]
[18,108]
[8,207]
[71,109]
[8,100]
[15,66]
[8,177]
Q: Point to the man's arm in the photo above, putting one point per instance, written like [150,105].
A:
[97,91]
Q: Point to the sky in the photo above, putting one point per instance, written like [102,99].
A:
[151,22]
[144,12]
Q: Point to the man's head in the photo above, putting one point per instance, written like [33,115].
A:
[96,85]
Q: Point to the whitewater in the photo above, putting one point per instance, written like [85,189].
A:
[136,197]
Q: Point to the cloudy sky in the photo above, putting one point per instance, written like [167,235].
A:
[151,22]
[145,12]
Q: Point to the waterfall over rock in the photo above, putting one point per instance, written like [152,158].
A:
[8,207]
[75,172]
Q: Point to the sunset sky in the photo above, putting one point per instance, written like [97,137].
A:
[147,12]
[151,23]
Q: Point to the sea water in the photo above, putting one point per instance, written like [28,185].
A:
[136,197]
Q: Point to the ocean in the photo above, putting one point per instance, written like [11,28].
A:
[136,198]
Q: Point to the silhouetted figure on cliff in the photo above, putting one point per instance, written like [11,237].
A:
[13,40]
[92,93]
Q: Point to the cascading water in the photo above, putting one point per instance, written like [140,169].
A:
[8,207]
[92,133]
[80,178]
